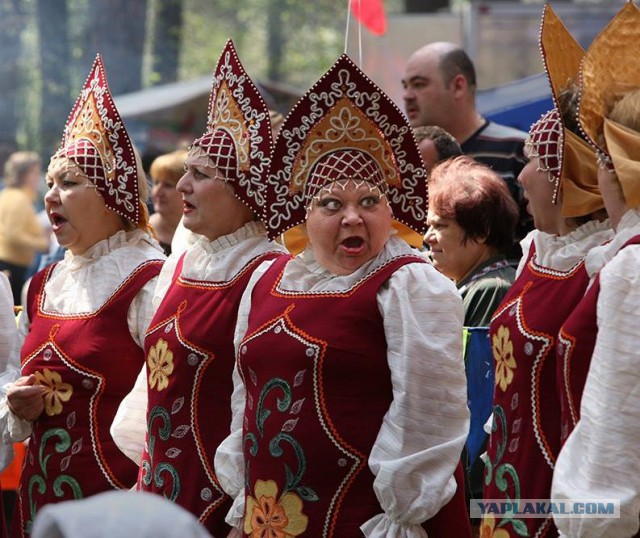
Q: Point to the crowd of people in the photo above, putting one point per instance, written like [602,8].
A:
[243,387]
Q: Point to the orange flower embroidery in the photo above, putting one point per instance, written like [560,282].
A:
[267,517]
[503,355]
[487,528]
[160,362]
[55,391]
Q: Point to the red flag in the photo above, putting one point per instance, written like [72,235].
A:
[371,14]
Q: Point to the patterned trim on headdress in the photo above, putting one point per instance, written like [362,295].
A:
[561,55]
[345,127]
[95,138]
[545,140]
[238,139]
[608,70]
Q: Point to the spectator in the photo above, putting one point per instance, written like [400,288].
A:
[21,234]
[440,89]
[471,222]
[435,145]
[165,171]
[124,514]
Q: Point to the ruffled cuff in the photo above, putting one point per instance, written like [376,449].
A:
[17,429]
[235,515]
[382,526]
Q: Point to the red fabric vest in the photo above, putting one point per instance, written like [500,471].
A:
[90,363]
[318,385]
[525,438]
[192,331]
[574,350]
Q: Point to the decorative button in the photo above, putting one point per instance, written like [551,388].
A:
[169,327]
[243,350]
[277,330]
[47,354]
[310,352]
[87,384]
[206,494]
[528,348]
[192,359]
[342,462]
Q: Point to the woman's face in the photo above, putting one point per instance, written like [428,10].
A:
[167,201]
[77,212]
[538,191]
[348,226]
[451,255]
[208,203]
[32,178]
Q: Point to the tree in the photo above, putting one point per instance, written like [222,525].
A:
[167,40]
[55,61]
[117,29]
[12,22]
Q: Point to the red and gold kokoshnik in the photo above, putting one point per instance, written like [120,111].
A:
[238,139]
[345,127]
[95,138]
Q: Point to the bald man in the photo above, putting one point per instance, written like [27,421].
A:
[440,89]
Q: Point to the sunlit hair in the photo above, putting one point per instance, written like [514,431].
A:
[476,198]
[169,166]
[60,164]
[626,110]
[17,167]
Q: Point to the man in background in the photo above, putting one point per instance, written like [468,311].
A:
[440,89]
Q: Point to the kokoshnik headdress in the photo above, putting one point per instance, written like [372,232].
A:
[237,140]
[568,160]
[609,70]
[95,139]
[345,128]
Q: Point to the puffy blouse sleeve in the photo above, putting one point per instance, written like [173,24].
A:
[600,460]
[229,458]
[9,364]
[418,446]
[128,429]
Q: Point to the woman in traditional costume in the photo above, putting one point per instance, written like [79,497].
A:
[560,184]
[598,351]
[82,336]
[349,363]
[184,394]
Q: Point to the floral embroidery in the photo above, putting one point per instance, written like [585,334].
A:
[160,362]
[487,528]
[55,391]
[503,355]
[267,516]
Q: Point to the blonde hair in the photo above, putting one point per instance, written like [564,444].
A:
[17,167]
[626,111]
[169,166]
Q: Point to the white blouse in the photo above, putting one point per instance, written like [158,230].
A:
[423,432]
[601,458]
[82,284]
[212,261]
[562,252]
[8,334]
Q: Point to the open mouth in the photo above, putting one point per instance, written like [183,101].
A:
[56,221]
[186,206]
[353,245]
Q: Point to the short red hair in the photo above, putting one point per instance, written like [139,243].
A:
[475,197]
